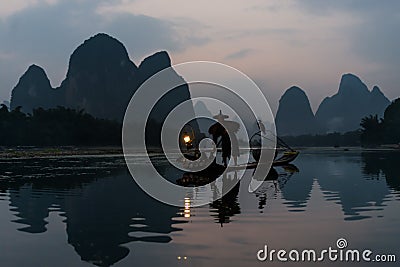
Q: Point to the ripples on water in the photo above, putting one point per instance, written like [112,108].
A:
[107,219]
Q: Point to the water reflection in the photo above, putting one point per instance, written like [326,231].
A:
[108,214]
[224,208]
[383,165]
[342,182]
[296,191]
[275,181]
[227,206]
[102,210]
[346,185]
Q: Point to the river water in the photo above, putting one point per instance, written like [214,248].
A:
[85,211]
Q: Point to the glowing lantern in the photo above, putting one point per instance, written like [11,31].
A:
[186,138]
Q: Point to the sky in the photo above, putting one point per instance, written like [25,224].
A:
[308,43]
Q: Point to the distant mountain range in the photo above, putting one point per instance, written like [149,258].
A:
[339,113]
[101,79]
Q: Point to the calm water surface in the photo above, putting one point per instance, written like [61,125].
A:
[85,211]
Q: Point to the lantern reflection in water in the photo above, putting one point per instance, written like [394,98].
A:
[187,208]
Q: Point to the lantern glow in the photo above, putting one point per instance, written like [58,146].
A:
[186,138]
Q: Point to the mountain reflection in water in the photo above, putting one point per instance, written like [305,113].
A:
[104,210]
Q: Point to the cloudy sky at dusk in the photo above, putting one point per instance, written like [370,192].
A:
[308,43]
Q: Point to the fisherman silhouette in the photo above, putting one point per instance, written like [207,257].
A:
[227,131]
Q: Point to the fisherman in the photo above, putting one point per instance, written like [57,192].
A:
[230,147]
[227,131]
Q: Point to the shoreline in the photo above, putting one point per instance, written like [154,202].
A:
[344,150]
[61,151]
[65,151]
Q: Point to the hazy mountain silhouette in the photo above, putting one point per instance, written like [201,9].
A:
[294,115]
[204,123]
[150,66]
[101,79]
[201,108]
[153,64]
[344,110]
[34,90]
[378,102]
